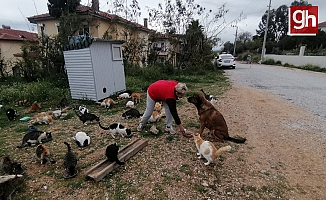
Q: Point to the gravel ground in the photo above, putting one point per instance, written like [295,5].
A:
[303,88]
[283,157]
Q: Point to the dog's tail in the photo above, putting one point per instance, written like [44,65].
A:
[236,140]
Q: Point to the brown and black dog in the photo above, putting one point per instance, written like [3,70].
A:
[212,119]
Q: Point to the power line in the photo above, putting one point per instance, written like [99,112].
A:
[265,35]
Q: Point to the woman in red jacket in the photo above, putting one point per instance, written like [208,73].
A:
[168,92]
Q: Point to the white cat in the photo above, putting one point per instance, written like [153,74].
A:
[117,128]
[124,96]
[130,104]
[82,139]
[208,150]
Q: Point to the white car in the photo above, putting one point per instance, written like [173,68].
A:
[225,60]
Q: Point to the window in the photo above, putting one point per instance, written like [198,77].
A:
[84,30]
[162,46]
[116,52]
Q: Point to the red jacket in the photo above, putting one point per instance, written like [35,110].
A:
[162,90]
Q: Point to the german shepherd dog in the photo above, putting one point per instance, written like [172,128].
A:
[212,119]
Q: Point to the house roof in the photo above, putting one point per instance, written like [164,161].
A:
[322,24]
[85,10]
[17,35]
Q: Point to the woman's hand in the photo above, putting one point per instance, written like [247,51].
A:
[183,131]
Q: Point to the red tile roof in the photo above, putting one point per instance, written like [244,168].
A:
[322,24]
[88,10]
[11,34]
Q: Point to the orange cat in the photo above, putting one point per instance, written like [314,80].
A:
[35,107]
[158,107]
[43,117]
[135,97]
[107,102]
[155,117]
[207,149]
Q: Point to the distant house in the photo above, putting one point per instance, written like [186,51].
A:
[166,46]
[322,26]
[97,24]
[10,43]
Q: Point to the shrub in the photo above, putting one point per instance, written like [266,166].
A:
[278,62]
[269,61]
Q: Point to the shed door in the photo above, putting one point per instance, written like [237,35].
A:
[117,67]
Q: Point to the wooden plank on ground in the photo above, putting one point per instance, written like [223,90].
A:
[100,170]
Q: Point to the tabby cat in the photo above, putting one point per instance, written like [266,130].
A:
[112,153]
[34,107]
[131,113]
[32,138]
[43,153]
[63,103]
[135,97]
[70,161]
[10,167]
[117,128]
[87,117]
[82,139]
[207,149]
[11,114]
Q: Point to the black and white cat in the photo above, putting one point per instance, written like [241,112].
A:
[131,113]
[82,139]
[87,117]
[35,137]
[82,109]
[70,161]
[11,114]
[117,128]
[112,153]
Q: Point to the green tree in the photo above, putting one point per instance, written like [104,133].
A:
[59,7]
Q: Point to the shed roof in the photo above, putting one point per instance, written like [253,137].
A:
[322,24]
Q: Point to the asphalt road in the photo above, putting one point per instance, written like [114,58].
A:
[303,88]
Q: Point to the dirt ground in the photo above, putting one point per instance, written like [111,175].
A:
[284,157]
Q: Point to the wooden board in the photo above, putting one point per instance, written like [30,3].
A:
[100,170]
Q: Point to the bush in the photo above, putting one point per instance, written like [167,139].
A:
[278,62]
[269,61]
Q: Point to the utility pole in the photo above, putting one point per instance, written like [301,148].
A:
[235,39]
[265,35]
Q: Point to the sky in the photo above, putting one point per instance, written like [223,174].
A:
[14,13]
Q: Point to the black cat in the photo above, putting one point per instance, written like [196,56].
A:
[32,138]
[131,113]
[87,117]
[70,161]
[112,153]
[11,114]
[63,103]
[117,128]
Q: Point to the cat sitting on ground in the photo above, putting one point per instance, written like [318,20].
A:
[106,103]
[35,107]
[43,153]
[130,104]
[207,149]
[155,117]
[63,103]
[82,139]
[112,153]
[11,114]
[82,109]
[117,128]
[87,117]
[10,167]
[32,138]
[131,113]
[70,161]
[43,117]
[135,97]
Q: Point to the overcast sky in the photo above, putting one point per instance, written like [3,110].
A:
[15,12]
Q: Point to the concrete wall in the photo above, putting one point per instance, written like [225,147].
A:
[299,60]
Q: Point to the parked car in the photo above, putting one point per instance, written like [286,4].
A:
[225,60]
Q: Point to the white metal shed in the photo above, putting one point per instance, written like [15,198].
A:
[95,69]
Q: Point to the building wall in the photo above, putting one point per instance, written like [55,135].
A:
[8,48]
[50,27]
[299,60]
